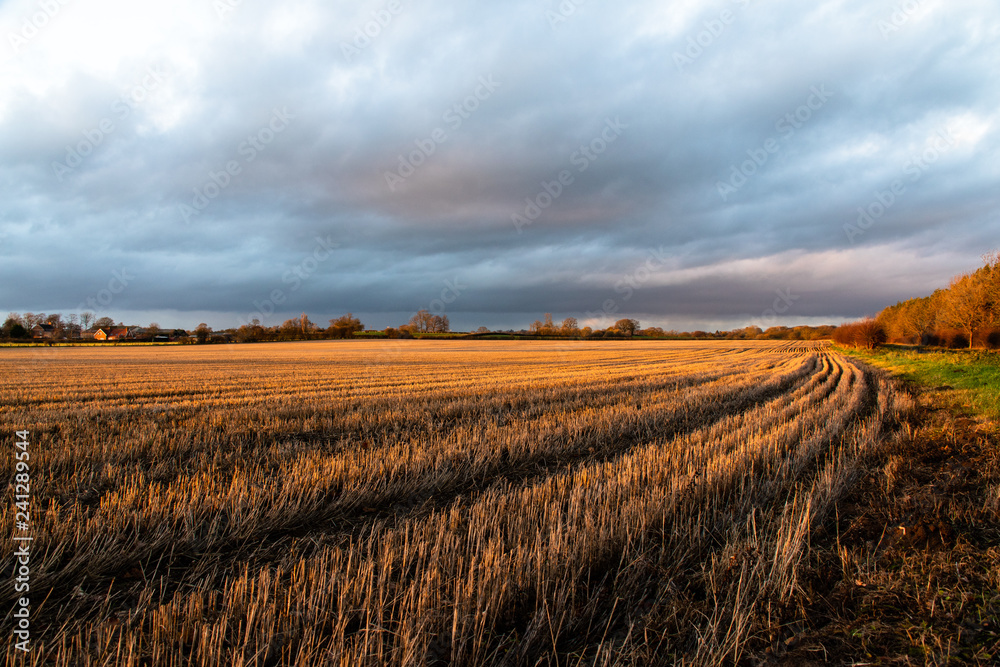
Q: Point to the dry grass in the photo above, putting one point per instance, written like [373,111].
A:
[430,502]
[916,549]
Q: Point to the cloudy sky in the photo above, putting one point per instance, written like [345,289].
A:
[690,164]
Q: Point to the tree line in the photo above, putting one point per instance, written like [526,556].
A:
[571,327]
[628,327]
[345,326]
[422,323]
[299,328]
[19,326]
[966,314]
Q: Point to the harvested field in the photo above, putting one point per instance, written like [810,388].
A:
[429,502]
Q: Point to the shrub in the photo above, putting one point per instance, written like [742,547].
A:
[993,339]
[867,333]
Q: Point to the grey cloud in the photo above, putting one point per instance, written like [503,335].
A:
[656,185]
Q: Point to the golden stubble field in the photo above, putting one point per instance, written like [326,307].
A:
[427,502]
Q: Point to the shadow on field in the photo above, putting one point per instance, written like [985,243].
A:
[909,573]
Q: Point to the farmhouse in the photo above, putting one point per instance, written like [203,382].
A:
[43,331]
[114,333]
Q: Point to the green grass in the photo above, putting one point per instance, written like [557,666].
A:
[974,375]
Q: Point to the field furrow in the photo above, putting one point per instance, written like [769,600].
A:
[465,503]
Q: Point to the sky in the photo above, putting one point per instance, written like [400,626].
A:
[690,164]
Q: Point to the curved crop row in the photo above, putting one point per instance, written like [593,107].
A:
[468,503]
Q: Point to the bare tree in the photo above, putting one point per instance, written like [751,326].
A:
[420,322]
[305,324]
[424,322]
[73,327]
[203,331]
[440,324]
[86,318]
[570,327]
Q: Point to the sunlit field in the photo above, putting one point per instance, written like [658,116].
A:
[427,502]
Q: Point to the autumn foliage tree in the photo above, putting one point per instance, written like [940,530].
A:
[967,307]
[966,313]
[627,326]
[990,277]
[344,326]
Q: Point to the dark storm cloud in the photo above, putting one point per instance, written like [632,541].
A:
[539,156]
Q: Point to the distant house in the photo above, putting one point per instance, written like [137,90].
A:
[43,331]
[114,333]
